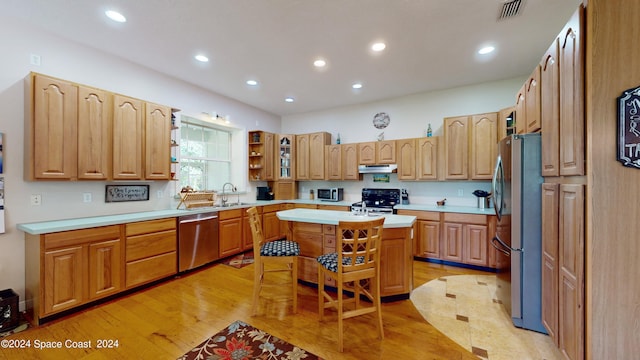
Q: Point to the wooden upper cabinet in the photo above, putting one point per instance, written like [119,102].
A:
[506,124]
[268,156]
[285,157]
[333,162]
[386,152]
[406,153]
[302,157]
[427,158]
[521,111]
[550,111]
[350,162]
[532,103]
[157,142]
[128,114]
[317,142]
[367,153]
[572,122]
[483,143]
[94,134]
[53,130]
[456,133]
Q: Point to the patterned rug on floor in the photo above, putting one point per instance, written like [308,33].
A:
[240,260]
[242,341]
[465,309]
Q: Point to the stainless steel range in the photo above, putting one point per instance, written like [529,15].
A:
[377,201]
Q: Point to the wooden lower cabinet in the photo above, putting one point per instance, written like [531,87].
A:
[396,256]
[465,238]
[230,232]
[151,251]
[270,223]
[70,268]
[455,237]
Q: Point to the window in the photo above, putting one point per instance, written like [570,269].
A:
[205,156]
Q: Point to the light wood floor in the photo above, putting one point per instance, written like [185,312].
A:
[167,320]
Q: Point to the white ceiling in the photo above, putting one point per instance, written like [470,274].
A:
[431,44]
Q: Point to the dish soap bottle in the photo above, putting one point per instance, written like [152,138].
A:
[338,139]
[429,130]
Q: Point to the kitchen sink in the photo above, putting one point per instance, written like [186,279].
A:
[236,204]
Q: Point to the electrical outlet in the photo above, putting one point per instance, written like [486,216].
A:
[159,194]
[35,60]
[460,192]
[86,197]
[36,199]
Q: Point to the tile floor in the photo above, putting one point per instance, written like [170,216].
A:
[465,309]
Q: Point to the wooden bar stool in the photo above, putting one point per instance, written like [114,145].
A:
[279,252]
[356,268]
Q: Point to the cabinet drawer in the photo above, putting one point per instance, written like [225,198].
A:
[421,215]
[308,227]
[466,218]
[78,237]
[271,208]
[145,227]
[329,243]
[230,214]
[149,269]
[306,206]
[142,246]
[329,229]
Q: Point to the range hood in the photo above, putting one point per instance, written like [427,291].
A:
[377,169]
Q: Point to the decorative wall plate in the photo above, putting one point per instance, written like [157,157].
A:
[381,120]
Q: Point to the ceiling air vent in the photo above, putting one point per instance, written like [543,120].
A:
[510,9]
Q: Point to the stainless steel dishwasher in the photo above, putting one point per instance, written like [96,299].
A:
[197,240]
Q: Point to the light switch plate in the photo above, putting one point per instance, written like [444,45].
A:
[86,197]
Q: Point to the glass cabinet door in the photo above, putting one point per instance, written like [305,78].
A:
[286,157]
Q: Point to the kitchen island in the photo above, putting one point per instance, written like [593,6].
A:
[315,231]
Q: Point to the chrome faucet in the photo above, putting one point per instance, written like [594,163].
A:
[224,193]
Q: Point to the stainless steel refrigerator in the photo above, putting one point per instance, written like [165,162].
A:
[517,189]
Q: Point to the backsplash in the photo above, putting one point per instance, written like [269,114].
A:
[420,192]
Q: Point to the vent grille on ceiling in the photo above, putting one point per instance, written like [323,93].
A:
[509,9]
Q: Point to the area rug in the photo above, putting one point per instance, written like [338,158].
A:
[240,260]
[240,341]
[465,309]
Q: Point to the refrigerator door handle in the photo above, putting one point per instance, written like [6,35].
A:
[500,245]
[498,200]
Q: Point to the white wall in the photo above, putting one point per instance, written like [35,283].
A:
[409,118]
[71,61]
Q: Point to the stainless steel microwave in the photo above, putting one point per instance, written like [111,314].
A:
[331,194]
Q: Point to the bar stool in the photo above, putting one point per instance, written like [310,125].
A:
[279,252]
[355,266]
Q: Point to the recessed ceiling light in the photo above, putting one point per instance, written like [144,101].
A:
[115,16]
[379,46]
[252,82]
[485,50]
[201,58]
[289,99]
[319,63]
[357,86]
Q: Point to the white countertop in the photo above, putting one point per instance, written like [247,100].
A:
[332,217]
[44,227]
[447,208]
